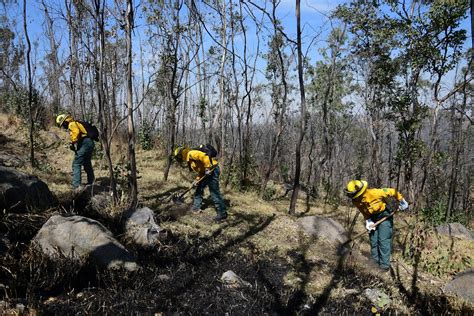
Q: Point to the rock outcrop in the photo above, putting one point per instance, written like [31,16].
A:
[141,228]
[21,192]
[455,230]
[81,237]
[462,285]
[321,227]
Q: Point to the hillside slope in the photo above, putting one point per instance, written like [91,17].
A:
[288,272]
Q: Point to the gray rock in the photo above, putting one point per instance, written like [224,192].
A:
[99,203]
[141,228]
[378,298]
[81,237]
[93,200]
[232,280]
[323,228]
[455,230]
[20,191]
[462,285]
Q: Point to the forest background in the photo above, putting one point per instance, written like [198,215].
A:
[378,90]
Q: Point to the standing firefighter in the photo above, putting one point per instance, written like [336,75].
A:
[373,204]
[205,166]
[82,143]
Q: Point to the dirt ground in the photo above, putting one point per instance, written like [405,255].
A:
[287,271]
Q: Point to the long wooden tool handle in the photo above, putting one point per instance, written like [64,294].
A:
[198,181]
[377,223]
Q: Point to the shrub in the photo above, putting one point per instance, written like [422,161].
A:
[145,136]
[269,192]
[435,212]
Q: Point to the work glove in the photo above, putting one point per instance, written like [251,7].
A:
[403,205]
[369,225]
[73,147]
[207,172]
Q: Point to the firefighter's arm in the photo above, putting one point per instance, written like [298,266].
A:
[402,203]
[74,132]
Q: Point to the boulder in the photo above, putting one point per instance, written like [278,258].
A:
[455,230]
[20,191]
[93,200]
[81,237]
[462,285]
[141,228]
[323,228]
[232,280]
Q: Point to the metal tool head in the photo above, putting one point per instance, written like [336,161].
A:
[177,199]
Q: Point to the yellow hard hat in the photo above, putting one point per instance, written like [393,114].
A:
[355,188]
[61,118]
[180,152]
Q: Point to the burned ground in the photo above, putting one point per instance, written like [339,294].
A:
[288,272]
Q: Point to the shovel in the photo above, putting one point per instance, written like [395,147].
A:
[177,198]
[377,223]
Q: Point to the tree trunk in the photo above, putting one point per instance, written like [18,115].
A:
[53,78]
[30,89]
[99,76]
[132,181]
[280,119]
[302,130]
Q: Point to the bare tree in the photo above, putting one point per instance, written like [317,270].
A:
[277,64]
[30,88]
[132,181]
[54,72]
[302,127]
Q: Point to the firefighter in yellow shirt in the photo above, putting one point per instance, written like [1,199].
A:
[82,145]
[372,203]
[200,162]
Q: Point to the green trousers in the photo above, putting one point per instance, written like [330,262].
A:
[381,239]
[212,181]
[83,158]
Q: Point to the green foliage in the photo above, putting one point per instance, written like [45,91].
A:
[145,134]
[396,49]
[17,102]
[121,174]
[203,106]
[441,261]
[432,254]
[284,171]
[98,153]
[435,213]
[269,192]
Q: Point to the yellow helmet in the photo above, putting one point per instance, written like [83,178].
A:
[355,188]
[180,152]
[61,118]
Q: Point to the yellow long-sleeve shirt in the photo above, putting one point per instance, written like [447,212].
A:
[199,161]
[77,131]
[374,201]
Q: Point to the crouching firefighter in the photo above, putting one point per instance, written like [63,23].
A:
[82,143]
[373,204]
[208,172]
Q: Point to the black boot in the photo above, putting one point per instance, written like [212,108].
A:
[220,217]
